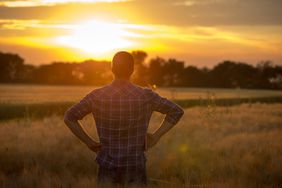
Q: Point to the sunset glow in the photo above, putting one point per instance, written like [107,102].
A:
[34,3]
[96,37]
[46,30]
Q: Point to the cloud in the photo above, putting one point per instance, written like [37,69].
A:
[167,12]
[215,12]
[34,3]
[31,28]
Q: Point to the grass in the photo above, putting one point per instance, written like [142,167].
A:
[37,101]
[33,110]
[239,146]
[40,110]
[27,94]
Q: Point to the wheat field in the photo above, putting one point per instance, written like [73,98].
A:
[238,146]
[21,93]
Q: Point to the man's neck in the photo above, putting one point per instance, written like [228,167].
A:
[122,79]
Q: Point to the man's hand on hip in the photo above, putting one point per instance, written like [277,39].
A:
[94,146]
[152,140]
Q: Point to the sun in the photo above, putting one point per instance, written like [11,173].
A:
[96,37]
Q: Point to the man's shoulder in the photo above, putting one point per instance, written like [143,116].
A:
[147,92]
[98,91]
[134,89]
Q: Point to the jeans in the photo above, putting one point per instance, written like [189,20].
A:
[119,175]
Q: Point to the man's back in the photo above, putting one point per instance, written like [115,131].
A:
[122,113]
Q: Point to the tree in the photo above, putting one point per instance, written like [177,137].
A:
[269,76]
[229,74]
[172,72]
[158,71]
[55,73]
[140,70]
[95,72]
[193,77]
[11,66]
[155,71]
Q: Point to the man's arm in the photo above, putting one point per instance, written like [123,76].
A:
[173,114]
[77,129]
[72,117]
[152,139]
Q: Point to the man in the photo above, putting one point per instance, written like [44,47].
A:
[122,113]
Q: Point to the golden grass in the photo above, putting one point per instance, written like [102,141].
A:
[211,147]
[21,93]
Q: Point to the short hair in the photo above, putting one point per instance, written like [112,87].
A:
[122,64]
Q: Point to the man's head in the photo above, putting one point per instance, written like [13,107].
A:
[122,65]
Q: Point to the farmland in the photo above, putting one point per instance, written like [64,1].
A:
[236,146]
[213,145]
[18,101]
[40,94]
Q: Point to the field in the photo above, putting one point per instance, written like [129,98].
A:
[237,146]
[212,146]
[41,94]
[21,101]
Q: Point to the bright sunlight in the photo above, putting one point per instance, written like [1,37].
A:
[97,37]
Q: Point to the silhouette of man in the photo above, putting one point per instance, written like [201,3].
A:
[122,113]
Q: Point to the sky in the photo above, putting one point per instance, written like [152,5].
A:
[199,32]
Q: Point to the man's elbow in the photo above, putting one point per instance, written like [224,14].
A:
[67,119]
[180,111]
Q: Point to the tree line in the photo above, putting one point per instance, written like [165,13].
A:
[156,71]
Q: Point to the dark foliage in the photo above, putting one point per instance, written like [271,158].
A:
[157,71]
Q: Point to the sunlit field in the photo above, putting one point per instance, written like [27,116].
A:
[219,60]
[239,146]
[216,144]
[41,94]
[25,101]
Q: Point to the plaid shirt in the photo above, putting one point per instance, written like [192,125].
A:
[122,113]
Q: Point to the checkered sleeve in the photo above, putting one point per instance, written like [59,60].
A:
[160,104]
[80,109]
